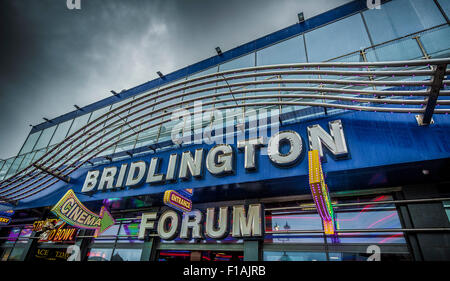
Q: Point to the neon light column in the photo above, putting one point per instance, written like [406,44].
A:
[319,191]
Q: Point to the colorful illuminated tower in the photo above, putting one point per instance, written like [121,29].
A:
[320,194]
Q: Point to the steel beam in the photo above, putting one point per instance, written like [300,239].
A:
[436,85]
[53,173]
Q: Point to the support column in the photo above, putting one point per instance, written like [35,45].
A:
[252,250]
[29,247]
[150,242]
[149,249]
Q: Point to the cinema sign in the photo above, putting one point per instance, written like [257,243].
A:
[219,160]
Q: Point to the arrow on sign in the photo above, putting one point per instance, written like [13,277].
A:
[72,211]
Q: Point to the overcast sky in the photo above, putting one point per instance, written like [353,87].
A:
[52,58]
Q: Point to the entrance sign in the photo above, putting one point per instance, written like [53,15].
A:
[319,191]
[177,201]
[245,222]
[73,212]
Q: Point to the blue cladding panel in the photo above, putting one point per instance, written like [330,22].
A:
[385,150]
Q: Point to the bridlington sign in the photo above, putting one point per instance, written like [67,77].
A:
[284,149]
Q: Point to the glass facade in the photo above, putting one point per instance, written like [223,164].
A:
[362,222]
[401,30]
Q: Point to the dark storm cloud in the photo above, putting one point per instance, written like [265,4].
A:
[52,58]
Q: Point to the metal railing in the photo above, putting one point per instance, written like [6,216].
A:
[350,87]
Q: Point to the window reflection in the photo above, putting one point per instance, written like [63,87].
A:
[369,216]
[361,214]
[126,255]
[294,256]
[401,17]
[447,209]
[282,221]
[436,42]
[445,5]
[13,235]
[288,51]
[130,229]
[45,137]
[108,236]
[365,256]
[336,39]
[30,142]
[99,254]
[172,255]
[16,254]
[61,132]
[24,233]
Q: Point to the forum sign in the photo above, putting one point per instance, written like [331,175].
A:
[217,223]
[284,149]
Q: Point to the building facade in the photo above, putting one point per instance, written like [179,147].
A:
[365,87]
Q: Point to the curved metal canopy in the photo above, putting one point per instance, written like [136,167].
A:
[348,86]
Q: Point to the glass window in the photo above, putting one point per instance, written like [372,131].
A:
[288,51]
[174,255]
[13,234]
[336,39]
[401,17]
[209,85]
[148,136]
[130,229]
[38,154]
[447,209]
[294,256]
[445,5]
[241,62]
[220,256]
[280,221]
[108,140]
[126,122]
[61,132]
[204,72]
[27,160]
[99,112]
[5,252]
[30,142]
[24,233]
[16,254]
[79,122]
[108,236]
[45,137]
[403,49]
[126,255]
[15,165]
[369,216]
[96,130]
[5,167]
[99,254]
[365,256]
[437,42]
